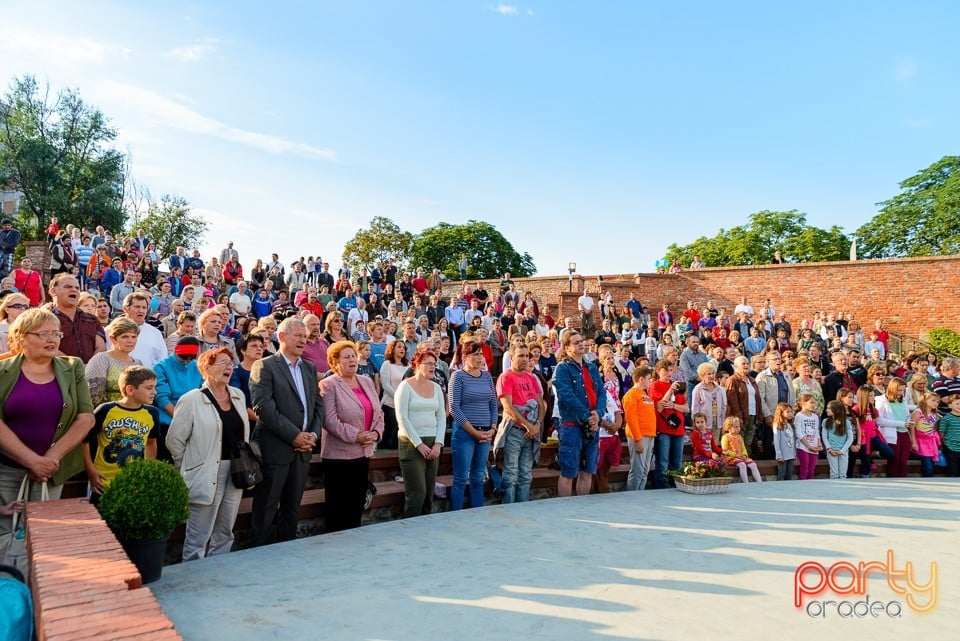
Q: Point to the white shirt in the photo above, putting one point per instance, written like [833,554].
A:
[151,347]
[298,383]
[751,400]
[240,303]
[743,308]
[586,302]
[356,314]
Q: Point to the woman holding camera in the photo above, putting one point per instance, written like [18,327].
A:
[670,400]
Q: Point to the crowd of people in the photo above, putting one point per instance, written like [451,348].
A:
[116,360]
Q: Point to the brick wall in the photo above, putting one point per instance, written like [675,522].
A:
[912,295]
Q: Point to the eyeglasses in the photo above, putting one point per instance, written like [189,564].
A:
[224,364]
[18,306]
[47,335]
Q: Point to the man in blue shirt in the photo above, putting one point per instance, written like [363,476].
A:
[579,390]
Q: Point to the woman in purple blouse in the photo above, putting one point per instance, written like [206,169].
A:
[45,410]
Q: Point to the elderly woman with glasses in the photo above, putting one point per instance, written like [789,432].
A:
[12,306]
[207,424]
[352,426]
[46,411]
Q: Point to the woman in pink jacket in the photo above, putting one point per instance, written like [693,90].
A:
[353,424]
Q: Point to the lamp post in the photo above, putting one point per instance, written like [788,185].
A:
[571,267]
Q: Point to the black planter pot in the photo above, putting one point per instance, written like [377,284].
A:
[147,556]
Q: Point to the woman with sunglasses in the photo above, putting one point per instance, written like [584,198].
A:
[12,306]
[333,329]
[47,411]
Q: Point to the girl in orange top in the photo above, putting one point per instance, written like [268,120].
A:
[734,452]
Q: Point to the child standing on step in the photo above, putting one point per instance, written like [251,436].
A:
[923,436]
[806,427]
[734,451]
[838,433]
[784,441]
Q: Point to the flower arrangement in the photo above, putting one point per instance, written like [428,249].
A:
[702,470]
[707,477]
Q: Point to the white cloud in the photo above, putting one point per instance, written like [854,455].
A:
[905,70]
[504,9]
[165,111]
[59,49]
[192,53]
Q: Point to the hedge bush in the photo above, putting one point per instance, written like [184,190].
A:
[944,341]
[145,501]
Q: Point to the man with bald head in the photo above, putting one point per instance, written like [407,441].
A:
[744,402]
[285,398]
[82,335]
[315,349]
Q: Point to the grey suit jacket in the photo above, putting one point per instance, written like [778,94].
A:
[279,410]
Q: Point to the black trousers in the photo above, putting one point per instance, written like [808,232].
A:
[345,485]
[281,490]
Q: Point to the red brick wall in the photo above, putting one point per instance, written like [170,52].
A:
[912,295]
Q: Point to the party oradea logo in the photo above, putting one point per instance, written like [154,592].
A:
[864,590]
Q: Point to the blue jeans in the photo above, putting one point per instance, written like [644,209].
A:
[926,465]
[883,448]
[517,466]
[669,456]
[469,464]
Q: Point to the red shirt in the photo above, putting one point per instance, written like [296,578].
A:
[883,337]
[420,285]
[232,273]
[703,445]
[658,390]
[29,285]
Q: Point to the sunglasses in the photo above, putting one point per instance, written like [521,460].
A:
[18,306]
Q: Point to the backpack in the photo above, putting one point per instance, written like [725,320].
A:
[16,606]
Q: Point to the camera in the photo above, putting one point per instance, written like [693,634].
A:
[681,388]
[588,433]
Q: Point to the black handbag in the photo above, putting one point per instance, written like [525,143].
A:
[245,469]
[672,420]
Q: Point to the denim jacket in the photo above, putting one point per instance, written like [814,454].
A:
[571,393]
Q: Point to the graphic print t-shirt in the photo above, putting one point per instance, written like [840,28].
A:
[120,435]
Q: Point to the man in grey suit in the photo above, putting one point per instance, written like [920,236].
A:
[283,390]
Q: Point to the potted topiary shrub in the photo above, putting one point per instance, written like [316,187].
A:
[142,505]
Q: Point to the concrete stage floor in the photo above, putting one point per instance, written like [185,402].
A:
[642,565]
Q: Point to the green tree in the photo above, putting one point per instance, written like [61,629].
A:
[922,220]
[170,224]
[766,232]
[488,252]
[382,241]
[57,153]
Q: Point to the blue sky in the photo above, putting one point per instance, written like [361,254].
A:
[598,132]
